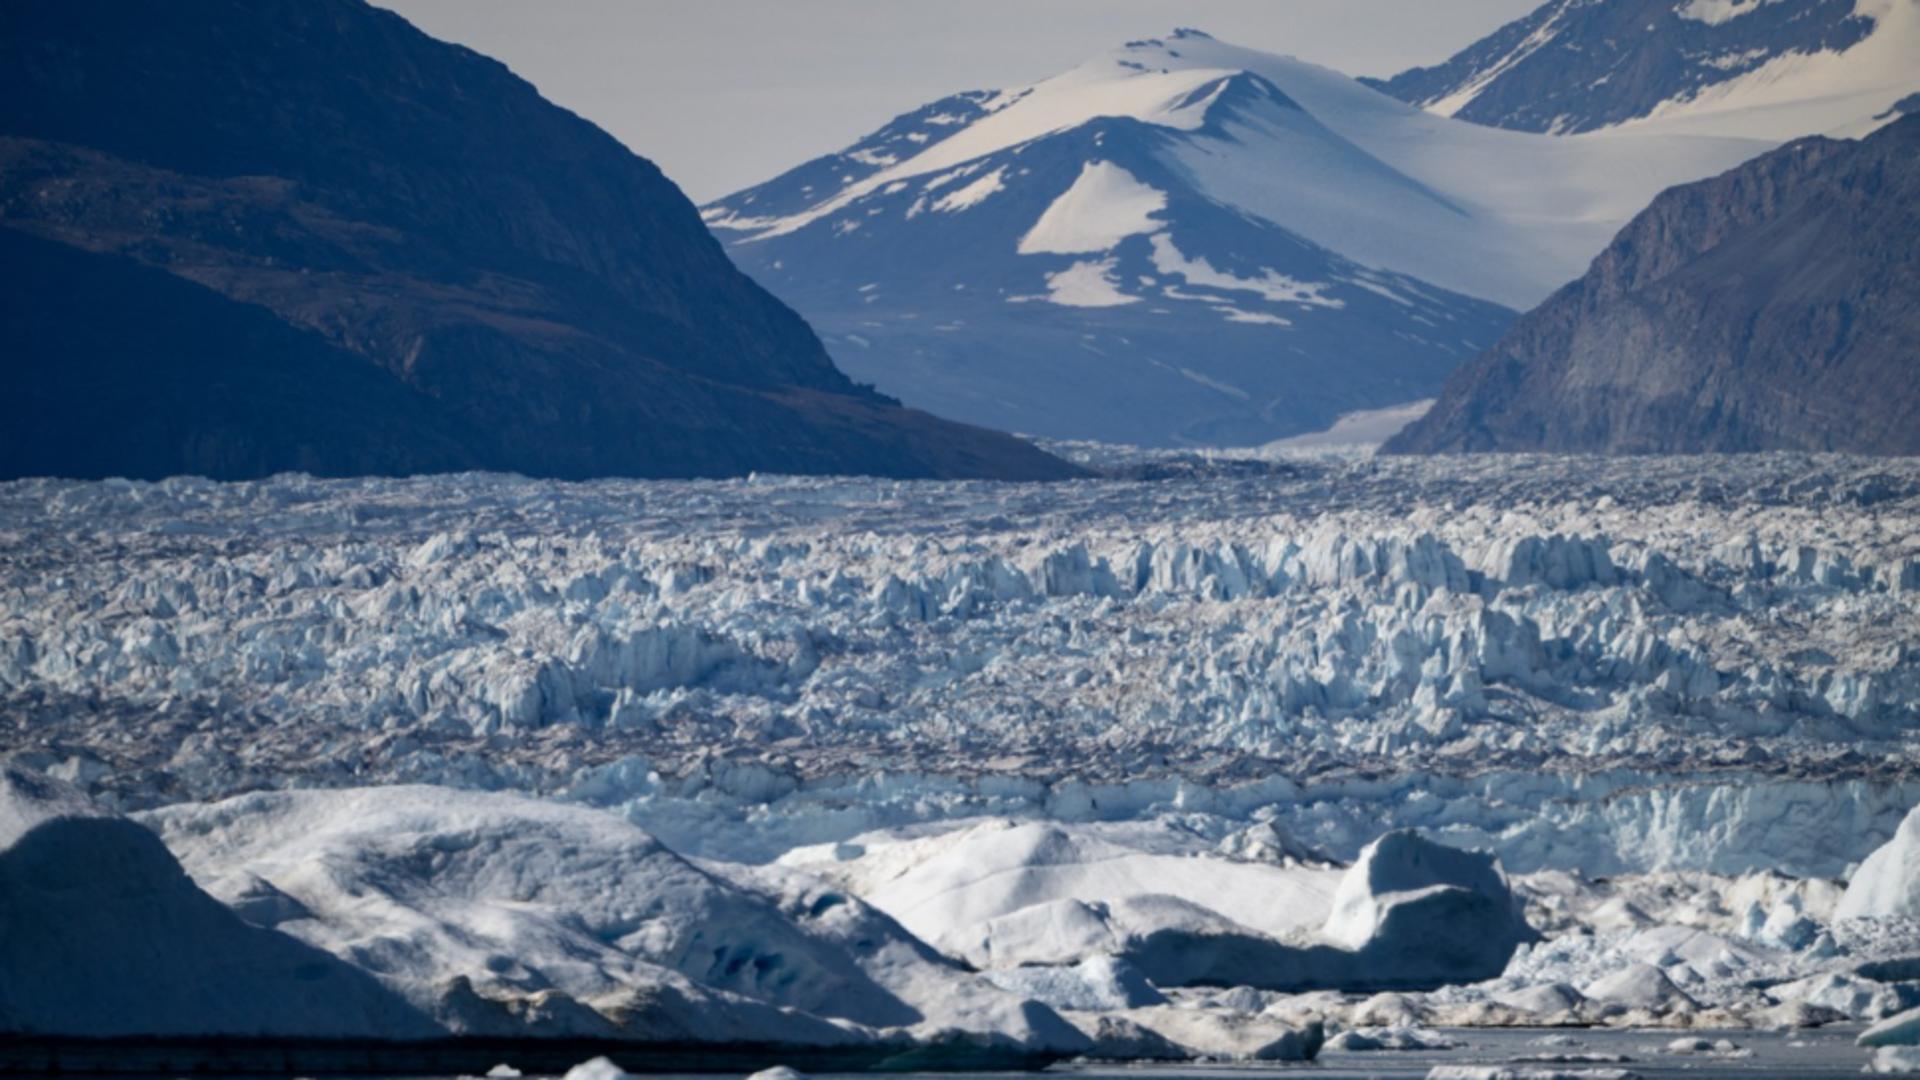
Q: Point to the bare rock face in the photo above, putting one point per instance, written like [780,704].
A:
[1776,307]
[291,235]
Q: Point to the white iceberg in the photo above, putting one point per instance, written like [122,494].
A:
[102,934]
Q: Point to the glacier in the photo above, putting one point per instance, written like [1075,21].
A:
[1649,664]
[1130,767]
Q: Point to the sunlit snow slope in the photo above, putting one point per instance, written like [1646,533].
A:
[1183,241]
[1771,69]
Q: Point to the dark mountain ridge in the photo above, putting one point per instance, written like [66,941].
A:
[464,275]
[1775,307]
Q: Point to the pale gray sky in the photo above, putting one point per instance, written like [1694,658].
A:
[723,94]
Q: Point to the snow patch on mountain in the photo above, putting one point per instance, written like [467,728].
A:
[972,194]
[1086,284]
[1105,205]
[1357,430]
[1270,284]
[1716,12]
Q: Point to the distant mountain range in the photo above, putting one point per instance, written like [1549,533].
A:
[1774,69]
[245,236]
[1776,307]
[1183,241]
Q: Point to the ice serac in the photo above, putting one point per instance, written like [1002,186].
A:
[288,235]
[1888,881]
[103,934]
[1769,68]
[1776,307]
[1182,241]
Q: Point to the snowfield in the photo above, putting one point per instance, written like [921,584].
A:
[1112,767]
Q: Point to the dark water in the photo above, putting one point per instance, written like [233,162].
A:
[1827,1054]
[1805,1055]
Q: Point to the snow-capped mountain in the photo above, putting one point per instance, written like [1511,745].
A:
[1772,69]
[1184,241]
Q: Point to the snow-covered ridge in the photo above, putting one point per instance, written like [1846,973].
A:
[1493,214]
[1048,263]
[1844,92]
[1753,68]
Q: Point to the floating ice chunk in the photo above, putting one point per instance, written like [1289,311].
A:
[1901,1030]
[1098,983]
[1233,1036]
[779,1072]
[1427,911]
[599,1068]
[1545,999]
[1895,1061]
[1640,986]
[1693,1044]
[1849,995]
[1118,1038]
[488,908]
[1391,1038]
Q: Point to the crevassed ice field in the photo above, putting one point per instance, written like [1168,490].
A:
[909,755]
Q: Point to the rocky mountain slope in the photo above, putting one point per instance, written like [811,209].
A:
[303,235]
[1775,69]
[1775,307]
[1183,241]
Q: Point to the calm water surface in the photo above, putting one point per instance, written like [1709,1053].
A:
[1827,1054]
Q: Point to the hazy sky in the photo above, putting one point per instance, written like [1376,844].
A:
[727,93]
